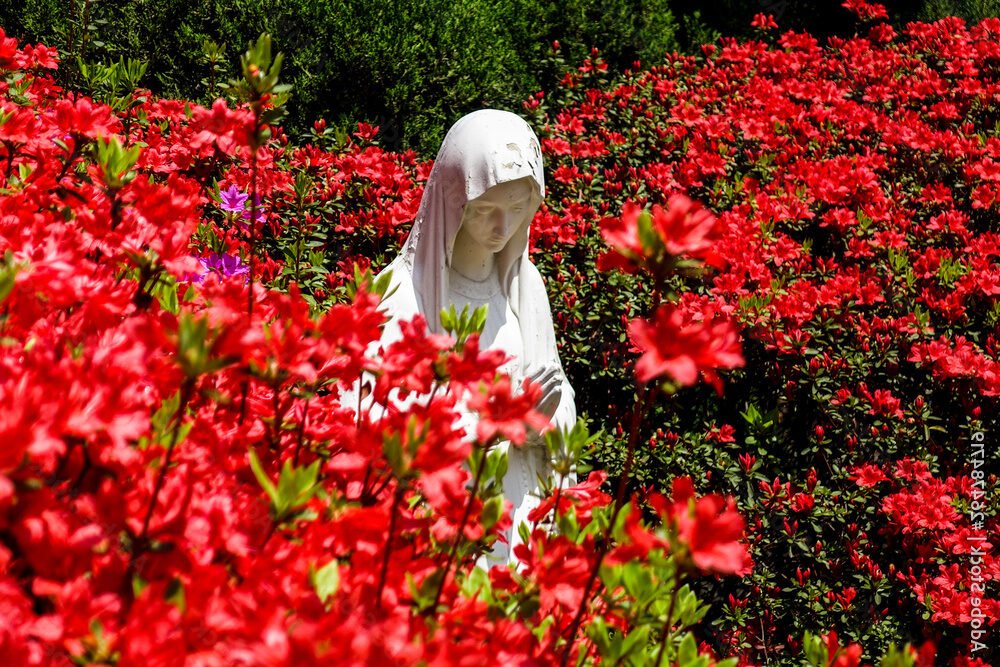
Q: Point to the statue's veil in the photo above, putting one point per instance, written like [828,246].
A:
[481,150]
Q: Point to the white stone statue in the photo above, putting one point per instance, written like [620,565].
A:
[469,247]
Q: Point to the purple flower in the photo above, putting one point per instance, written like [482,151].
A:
[258,211]
[225,265]
[232,199]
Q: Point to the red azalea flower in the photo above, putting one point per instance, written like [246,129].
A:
[686,227]
[8,49]
[505,414]
[682,351]
[763,22]
[867,11]
[802,502]
[683,227]
[38,56]
[622,235]
[912,469]
[709,528]
[837,656]
[84,118]
[712,533]
[867,475]
[231,129]
[472,365]
[583,497]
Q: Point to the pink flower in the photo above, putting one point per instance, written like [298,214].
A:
[233,200]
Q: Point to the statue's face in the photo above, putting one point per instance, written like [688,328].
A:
[492,218]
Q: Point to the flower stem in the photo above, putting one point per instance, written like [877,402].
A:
[638,411]
[668,624]
[270,534]
[302,432]
[461,528]
[253,218]
[555,506]
[186,391]
[397,498]
[605,545]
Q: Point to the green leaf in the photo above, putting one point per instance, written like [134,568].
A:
[165,291]
[648,237]
[175,594]
[492,509]
[896,657]
[8,272]
[138,585]
[116,162]
[262,478]
[635,641]
[392,447]
[815,650]
[326,580]
[163,421]
[688,651]
[423,595]
[296,485]
[464,324]
[195,343]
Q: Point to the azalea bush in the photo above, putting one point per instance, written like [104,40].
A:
[854,188]
[181,479]
[186,295]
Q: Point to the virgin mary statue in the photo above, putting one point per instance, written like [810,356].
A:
[469,247]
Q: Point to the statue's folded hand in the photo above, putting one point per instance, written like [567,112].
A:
[550,379]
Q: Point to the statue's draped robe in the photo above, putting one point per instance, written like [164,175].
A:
[483,149]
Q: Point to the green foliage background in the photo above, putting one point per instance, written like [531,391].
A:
[412,67]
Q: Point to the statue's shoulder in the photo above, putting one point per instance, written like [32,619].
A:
[532,286]
[530,276]
[400,301]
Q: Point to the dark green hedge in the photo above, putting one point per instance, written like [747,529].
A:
[412,67]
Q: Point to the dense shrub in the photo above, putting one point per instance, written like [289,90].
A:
[856,183]
[853,241]
[181,482]
[836,333]
[409,67]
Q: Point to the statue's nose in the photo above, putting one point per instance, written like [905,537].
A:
[503,223]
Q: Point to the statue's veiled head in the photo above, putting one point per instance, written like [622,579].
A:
[483,150]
